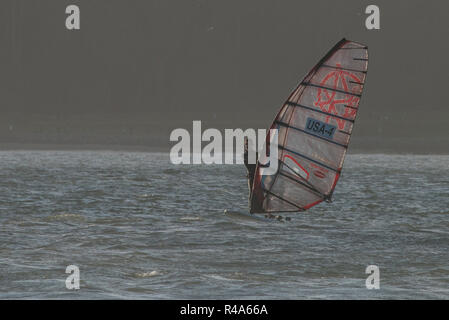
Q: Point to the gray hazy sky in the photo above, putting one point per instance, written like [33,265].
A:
[138,69]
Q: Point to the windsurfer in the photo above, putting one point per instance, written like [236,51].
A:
[251,168]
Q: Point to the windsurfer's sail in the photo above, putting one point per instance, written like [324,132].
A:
[314,125]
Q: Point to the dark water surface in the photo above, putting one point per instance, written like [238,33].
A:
[140,227]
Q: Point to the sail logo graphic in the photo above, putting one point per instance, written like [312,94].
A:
[189,149]
[332,93]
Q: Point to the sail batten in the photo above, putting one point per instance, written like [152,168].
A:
[331,89]
[344,69]
[315,125]
[303,156]
[319,111]
[311,188]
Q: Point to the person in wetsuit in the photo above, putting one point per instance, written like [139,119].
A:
[250,167]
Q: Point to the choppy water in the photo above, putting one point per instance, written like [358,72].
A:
[139,227]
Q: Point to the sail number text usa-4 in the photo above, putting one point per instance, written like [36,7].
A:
[319,128]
